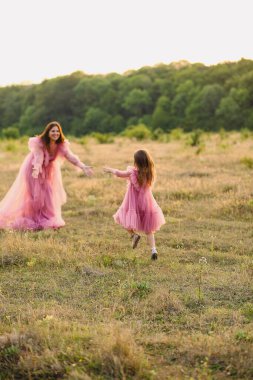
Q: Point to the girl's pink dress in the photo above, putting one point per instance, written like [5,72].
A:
[35,203]
[139,210]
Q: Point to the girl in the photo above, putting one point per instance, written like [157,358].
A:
[34,200]
[139,210]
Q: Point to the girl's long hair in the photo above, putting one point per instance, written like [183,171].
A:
[45,134]
[146,168]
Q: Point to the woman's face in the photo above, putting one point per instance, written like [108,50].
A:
[54,133]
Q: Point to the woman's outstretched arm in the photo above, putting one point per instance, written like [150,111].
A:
[73,159]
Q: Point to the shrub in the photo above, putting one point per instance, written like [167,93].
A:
[139,132]
[223,134]
[157,133]
[83,140]
[10,133]
[103,138]
[11,146]
[176,133]
[195,137]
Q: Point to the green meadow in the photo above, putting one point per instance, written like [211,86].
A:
[80,303]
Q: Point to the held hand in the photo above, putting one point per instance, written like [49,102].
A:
[107,170]
[88,171]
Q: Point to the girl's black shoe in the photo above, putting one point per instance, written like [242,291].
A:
[154,256]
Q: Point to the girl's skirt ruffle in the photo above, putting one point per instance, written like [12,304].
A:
[146,222]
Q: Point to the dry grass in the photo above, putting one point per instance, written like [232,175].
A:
[79,303]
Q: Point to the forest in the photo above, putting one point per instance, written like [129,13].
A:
[158,99]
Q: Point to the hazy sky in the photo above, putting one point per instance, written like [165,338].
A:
[45,38]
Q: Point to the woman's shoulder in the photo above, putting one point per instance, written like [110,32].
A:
[35,142]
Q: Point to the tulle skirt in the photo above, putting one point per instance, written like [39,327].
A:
[139,211]
[33,204]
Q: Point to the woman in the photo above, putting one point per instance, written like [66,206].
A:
[34,200]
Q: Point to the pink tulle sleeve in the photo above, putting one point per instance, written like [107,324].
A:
[36,147]
[123,173]
[71,157]
[134,179]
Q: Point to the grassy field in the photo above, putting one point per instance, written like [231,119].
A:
[79,303]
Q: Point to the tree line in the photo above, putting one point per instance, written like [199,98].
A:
[162,97]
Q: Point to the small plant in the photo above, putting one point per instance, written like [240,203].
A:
[141,289]
[245,133]
[117,356]
[107,260]
[247,311]
[228,188]
[250,203]
[202,264]
[224,145]
[247,161]
[200,149]
[91,200]
[243,336]
[11,352]
[195,137]
[32,262]
[212,247]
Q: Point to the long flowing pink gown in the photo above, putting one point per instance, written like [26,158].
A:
[35,203]
[139,210]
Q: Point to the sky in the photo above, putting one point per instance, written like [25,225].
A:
[42,39]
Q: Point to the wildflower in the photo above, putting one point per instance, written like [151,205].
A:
[203,260]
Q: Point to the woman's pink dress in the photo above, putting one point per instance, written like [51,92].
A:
[139,210]
[35,203]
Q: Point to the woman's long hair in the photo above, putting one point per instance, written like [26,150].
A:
[45,134]
[146,168]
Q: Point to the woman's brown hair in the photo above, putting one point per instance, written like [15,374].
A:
[146,168]
[45,134]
